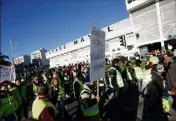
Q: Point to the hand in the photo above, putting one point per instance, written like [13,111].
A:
[98,98]
[171,93]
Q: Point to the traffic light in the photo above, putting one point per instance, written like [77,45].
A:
[122,41]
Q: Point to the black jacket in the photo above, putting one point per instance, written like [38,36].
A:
[153,110]
[171,76]
[112,76]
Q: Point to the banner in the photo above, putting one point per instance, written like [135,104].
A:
[7,73]
[97,53]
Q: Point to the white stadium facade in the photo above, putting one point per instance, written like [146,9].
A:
[151,25]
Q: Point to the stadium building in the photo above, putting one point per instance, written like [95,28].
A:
[151,25]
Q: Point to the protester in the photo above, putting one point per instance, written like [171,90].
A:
[171,78]
[42,108]
[78,85]
[154,59]
[62,82]
[138,74]
[89,104]
[10,101]
[115,77]
[153,109]
[22,89]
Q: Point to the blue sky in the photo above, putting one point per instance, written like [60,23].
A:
[51,23]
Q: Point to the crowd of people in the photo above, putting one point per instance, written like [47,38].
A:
[154,80]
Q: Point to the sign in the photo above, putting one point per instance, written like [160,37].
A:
[7,73]
[97,52]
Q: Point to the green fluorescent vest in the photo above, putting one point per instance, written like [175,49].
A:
[147,77]
[23,93]
[154,60]
[138,72]
[17,95]
[80,83]
[35,89]
[92,111]
[118,77]
[9,105]
[39,105]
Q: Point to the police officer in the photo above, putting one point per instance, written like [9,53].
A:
[138,74]
[36,82]
[77,88]
[57,92]
[42,108]
[130,74]
[115,77]
[89,104]
[78,85]
[146,76]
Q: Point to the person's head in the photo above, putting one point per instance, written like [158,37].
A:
[18,82]
[79,76]
[115,62]
[65,73]
[50,77]
[153,54]
[42,90]
[148,66]
[160,68]
[128,63]
[165,56]
[36,78]
[55,76]
[86,69]
[137,63]
[74,68]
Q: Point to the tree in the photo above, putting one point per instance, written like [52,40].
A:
[3,60]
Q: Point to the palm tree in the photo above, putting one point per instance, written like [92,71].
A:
[3,60]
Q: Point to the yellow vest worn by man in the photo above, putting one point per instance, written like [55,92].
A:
[118,78]
[39,105]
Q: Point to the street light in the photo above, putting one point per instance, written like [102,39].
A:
[11,48]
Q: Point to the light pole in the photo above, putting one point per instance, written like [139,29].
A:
[11,48]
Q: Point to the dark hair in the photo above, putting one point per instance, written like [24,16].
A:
[42,89]
[138,62]
[18,79]
[154,68]
[79,74]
